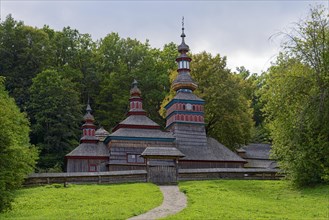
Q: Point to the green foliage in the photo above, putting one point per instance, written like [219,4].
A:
[252,199]
[122,60]
[56,116]
[17,156]
[296,96]
[24,52]
[84,202]
[227,109]
[76,51]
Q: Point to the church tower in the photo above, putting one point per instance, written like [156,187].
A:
[185,112]
[88,128]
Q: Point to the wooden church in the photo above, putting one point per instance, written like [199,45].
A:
[137,137]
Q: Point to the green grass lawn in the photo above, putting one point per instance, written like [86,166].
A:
[84,201]
[252,199]
[218,199]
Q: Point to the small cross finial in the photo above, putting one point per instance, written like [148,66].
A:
[135,83]
[183,34]
[88,109]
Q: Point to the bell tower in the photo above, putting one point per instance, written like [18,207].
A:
[185,112]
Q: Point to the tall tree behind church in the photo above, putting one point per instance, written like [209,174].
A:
[24,52]
[56,113]
[120,61]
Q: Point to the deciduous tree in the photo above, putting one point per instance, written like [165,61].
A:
[24,52]
[227,110]
[17,155]
[296,96]
[56,118]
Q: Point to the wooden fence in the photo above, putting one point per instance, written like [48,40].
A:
[229,173]
[130,176]
[134,176]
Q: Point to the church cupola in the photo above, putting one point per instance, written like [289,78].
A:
[135,101]
[185,107]
[183,81]
[88,127]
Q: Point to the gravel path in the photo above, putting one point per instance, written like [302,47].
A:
[173,201]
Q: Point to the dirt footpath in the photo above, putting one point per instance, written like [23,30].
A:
[173,201]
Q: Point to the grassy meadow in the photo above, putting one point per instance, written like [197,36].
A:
[252,199]
[217,199]
[84,201]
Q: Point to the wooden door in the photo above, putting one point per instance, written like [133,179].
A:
[162,174]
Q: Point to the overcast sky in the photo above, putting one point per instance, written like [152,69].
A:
[240,30]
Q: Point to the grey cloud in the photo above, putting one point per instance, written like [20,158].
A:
[235,29]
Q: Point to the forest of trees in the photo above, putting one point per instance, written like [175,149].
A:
[47,76]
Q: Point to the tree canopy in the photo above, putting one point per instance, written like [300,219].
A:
[228,115]
[56,111]
[17,155]
[296,97]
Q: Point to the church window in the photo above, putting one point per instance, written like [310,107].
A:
[134,158]
[92,168]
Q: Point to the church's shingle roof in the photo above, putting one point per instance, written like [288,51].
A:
[138,120]
[148,133]
[187,96]
[257,151]
[162,151]
[91,150]
[211,151]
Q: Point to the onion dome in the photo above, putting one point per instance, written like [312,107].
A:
[183,47]
[183,81]
[88,127]
[136,102]
[88,116]
[134,91]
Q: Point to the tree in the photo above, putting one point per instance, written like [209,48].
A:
[56,112]
[296,97]
[76,51]
[17,155]
[227,110]
[24,52]
[251,85]
[228,114]
[119,62]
